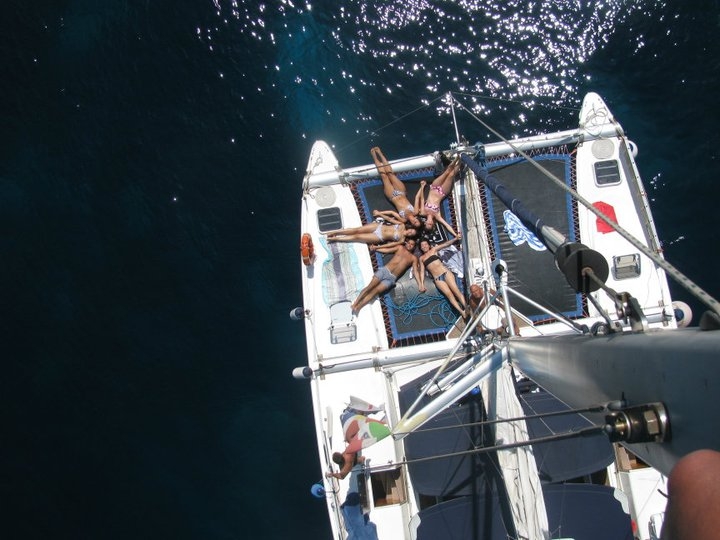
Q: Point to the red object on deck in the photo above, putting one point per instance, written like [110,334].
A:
[609,211]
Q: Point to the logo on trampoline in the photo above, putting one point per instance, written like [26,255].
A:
[519,233]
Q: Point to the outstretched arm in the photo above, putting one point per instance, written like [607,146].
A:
[442,246]
[389,215]
[346,468]
[390,247]
[446,224]
[420,198]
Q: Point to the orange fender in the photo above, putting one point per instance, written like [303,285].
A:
[307,251]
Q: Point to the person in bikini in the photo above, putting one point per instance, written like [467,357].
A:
[386,276]
[444,278]
[395,189]
[439,189]
[392,228]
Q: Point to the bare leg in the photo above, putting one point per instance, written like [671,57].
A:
[369,227]
[447,178]
[341,232]
[360,301]
[452,283]
[445,289]
[374,288]
[365,238]
[381,163]
[390,181]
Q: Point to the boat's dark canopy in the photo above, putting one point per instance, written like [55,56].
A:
[557,461]
[586,511]
[450,476]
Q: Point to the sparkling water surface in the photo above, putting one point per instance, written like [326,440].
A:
[150,170]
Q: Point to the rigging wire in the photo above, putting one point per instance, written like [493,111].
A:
[524,103]
[443,97]
[590,430]
[396,120]
[593,408]
[681,278]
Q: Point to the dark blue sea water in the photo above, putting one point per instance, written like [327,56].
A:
[151,155]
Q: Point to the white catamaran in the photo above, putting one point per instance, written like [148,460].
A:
[556,405]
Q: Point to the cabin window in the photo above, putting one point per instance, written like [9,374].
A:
[388,487]
[607,173]
[626,266]
[329,219]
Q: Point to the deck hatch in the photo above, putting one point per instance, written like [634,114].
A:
[343,333]
[607,172]
[342,329]
[329,219]
[626,266]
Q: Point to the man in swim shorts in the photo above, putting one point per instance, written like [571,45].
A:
[386,276]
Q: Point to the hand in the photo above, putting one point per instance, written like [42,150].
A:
[423,289]
[376,212]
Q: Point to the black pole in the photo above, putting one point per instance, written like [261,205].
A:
[571,258]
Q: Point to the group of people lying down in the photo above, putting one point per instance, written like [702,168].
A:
[401,231]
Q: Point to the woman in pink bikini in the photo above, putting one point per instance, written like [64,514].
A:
[439,189]
[395,190]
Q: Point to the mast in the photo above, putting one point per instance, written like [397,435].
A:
[525,500]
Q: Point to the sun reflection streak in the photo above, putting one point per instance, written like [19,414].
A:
[529,51]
